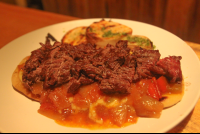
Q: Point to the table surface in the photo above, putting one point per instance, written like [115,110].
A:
[17,21]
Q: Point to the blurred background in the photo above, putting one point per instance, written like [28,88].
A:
[180,17]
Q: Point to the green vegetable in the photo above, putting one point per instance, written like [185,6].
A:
[140,41]
[91,29]
[110,34]
[103,28]
[124,33]
[154,47]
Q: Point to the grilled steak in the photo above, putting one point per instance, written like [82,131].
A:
[113,67]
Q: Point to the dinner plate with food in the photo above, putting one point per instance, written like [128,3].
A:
[97,75]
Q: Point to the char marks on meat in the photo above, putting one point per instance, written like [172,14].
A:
[113,67]
[146,59]
[171,65]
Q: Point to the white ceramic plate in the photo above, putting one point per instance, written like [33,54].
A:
[19,114]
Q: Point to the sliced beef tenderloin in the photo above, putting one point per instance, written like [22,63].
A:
[58,71]
[115,85]
[130,61]
[157,71]
[84,80]
[85,50]
[172,66]
[113,67]
[32,70]
[91,71]
[73,86]
[119,81]
[145,59]
[112,56]
[37,57]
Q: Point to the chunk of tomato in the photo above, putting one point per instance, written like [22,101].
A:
[59,98]
[162,84]
[153,90]
[90,92]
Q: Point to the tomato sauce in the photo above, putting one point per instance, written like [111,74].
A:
[92,109]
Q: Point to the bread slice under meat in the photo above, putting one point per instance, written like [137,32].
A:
[106,32]
[172,99]
[75,36]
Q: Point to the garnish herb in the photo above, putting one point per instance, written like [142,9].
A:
[103,28]
[154,47]
[91,29]
[124,33]
[139,41]
[110,34]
